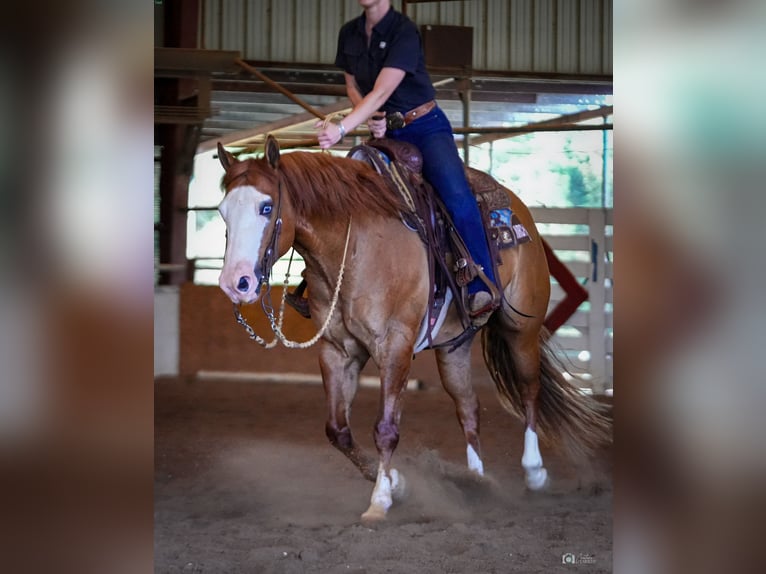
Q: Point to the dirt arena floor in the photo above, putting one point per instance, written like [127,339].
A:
[245,481]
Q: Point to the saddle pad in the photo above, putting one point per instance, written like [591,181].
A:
[422,340]
[506,229]
[502,225]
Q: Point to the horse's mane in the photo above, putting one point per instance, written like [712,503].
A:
[322,185]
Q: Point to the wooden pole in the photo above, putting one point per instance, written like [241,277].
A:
[261,76]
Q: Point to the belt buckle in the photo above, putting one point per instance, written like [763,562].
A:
[395,121]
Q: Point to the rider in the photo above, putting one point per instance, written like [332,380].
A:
[380,52]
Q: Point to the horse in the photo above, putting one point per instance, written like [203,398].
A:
[369,292]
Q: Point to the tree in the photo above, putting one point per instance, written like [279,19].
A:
[583,183]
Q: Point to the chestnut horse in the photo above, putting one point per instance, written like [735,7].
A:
[369,293]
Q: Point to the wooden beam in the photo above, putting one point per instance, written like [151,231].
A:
[243,137]
[505,132]
[556,123]
[189,61]
[292,97]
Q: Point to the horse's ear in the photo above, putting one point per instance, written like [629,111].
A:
[225,157]
[272,151]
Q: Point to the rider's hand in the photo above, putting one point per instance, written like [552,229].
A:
[329,134]
[377,125]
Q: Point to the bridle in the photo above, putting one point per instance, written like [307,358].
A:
[272,246]
[265,266]
[276,323]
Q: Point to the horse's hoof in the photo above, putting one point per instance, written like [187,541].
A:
[398,485]
[374,515]
[537,478]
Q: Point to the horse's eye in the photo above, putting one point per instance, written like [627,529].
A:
[266,209]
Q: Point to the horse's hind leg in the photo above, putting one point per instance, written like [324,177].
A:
[512,353]
[525,348]
[340,373]
[455,371]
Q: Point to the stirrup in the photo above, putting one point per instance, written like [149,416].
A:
[465,271]
[495,291]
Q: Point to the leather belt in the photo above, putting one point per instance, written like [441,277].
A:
[397,120]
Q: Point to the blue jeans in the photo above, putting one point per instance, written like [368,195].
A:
[444,169]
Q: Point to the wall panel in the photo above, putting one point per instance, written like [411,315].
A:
[567,36]
[544,33]
[520,41]
[551,36]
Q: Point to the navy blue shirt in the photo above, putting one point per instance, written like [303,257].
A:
[395,43]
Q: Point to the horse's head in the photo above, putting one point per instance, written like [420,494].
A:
[256,235]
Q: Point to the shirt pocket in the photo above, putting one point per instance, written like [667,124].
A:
[379,53]
[352,54]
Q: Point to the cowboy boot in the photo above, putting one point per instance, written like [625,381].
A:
[297,301]
[481,305]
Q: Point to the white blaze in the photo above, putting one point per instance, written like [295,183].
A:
[245,227]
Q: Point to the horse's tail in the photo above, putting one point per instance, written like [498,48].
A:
[575,422]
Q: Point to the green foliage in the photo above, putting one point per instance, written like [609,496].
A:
[553,169]
[583,186]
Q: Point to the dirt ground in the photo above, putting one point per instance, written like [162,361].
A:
[245,481]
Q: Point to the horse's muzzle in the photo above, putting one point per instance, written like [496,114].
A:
[242,288]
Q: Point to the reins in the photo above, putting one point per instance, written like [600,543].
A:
[276,323]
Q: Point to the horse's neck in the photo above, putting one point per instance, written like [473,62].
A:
[321,245]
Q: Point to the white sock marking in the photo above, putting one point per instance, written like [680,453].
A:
[474,462]
[532,461]
[382,494]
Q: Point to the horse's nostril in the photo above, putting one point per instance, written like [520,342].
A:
[243,284]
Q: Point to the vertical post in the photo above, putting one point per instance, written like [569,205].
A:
[201,42]
[597,297]
[491,157]
[180,29]
[464,89]
[604,142]
[174,192]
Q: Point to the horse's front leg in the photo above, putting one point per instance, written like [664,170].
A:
[340,374]
[395,368]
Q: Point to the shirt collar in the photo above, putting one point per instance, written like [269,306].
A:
[384,26]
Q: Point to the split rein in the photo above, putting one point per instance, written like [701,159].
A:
[266,264]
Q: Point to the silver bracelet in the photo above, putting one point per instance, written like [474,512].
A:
[342,130]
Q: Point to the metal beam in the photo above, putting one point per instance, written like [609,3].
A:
[552,78]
